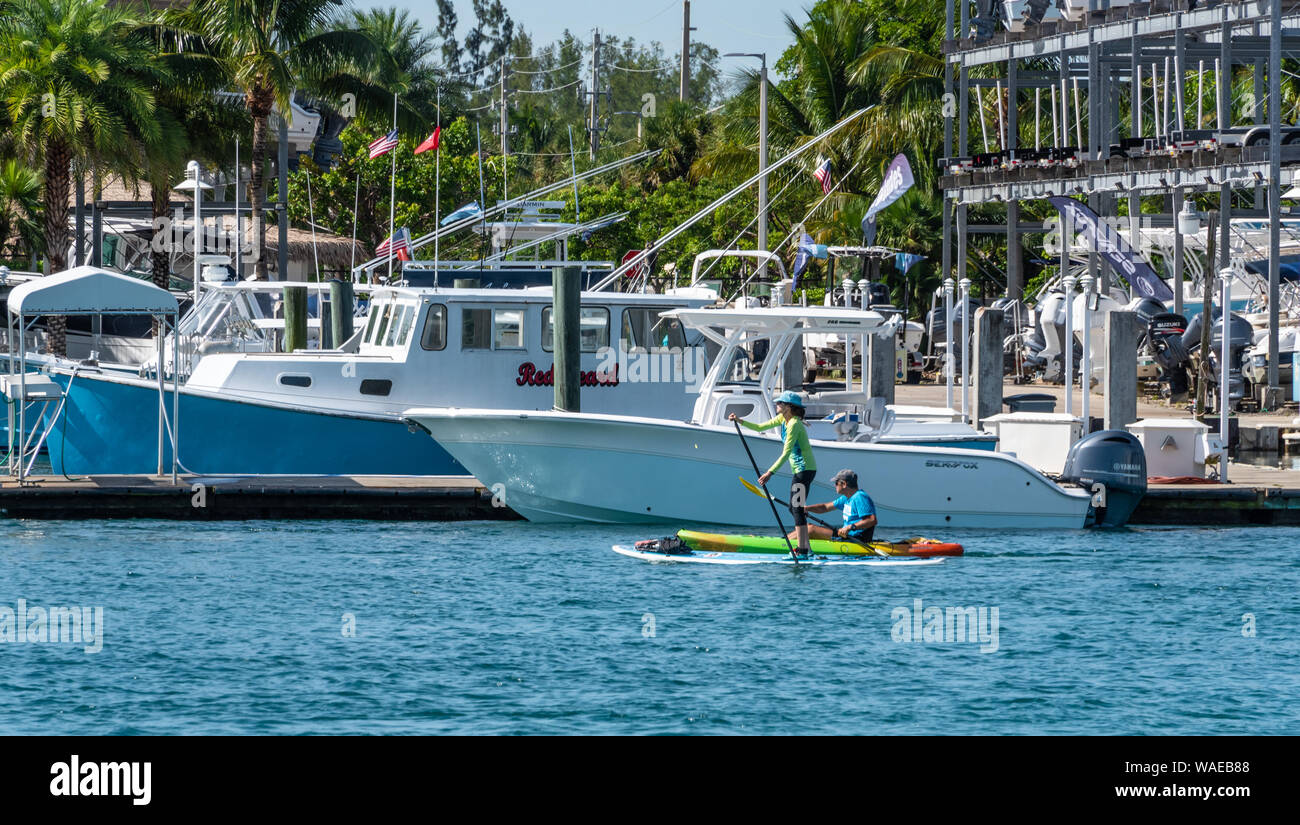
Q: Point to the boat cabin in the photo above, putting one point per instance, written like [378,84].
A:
[490,348]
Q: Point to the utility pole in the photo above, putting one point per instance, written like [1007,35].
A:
[505,125]
[762,164]
[762,153]
[594,124]
[686,50]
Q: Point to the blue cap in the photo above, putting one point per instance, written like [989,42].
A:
[791,398]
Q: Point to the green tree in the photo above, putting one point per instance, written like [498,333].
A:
[20,209]
[266,48]
[77,82]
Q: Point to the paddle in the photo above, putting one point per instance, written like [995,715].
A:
[825,524]
[759,473]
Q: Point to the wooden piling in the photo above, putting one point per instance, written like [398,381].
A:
[295,318]
[1121,369]
[880,368]
[987,371]
[567,291]
[342,305]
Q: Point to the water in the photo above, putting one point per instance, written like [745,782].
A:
[220,628]
[1280,461]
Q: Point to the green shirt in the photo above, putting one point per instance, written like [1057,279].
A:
[797,448]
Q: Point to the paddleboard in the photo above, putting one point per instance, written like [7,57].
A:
[698,557]
[723,543]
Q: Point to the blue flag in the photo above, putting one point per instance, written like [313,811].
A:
[898,179]
[904,261]
[1108,243]
[807,251]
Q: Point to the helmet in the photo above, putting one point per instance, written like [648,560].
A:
[791,398]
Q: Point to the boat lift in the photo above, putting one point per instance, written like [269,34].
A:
[83,290]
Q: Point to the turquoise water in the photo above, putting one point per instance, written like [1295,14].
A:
[516,628]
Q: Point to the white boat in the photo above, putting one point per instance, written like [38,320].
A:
[566,466]
[340,411]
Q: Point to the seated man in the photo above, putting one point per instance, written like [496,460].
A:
[859,511]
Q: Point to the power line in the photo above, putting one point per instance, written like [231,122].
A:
[661,68]
[544,91]
[548,71]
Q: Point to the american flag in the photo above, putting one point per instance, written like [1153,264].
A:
[823,176]
[399,244]
[383,145]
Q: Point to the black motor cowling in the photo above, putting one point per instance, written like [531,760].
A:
[1110,464]
[1165,336]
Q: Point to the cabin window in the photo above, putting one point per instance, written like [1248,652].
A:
[400,326]
[435,328]
[594,322]
[371,320]
[492,328]
[295,380]
[508,329]
[476,329]
[647,328]
[384,321]
[376,386]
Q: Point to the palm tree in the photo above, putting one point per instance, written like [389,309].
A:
[267,48]
[75,81]
[20,207]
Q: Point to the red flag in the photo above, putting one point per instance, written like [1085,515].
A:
[430,143]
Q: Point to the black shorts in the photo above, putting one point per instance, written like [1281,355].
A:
[800,487]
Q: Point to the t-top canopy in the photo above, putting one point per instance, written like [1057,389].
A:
[88,290]
[783,319]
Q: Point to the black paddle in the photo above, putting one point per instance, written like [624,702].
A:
[758,473]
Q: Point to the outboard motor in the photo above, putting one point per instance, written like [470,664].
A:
[1110,464]
[877,293]
[1165,337]
[1240,336]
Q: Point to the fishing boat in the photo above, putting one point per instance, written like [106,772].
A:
[339,411]
[586,466]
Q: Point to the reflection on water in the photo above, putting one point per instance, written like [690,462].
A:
[1267,459]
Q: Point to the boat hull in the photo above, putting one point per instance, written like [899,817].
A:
[567,467]
[110,426]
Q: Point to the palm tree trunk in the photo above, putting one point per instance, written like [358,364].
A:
[161,257]
[258,100]
[58,184]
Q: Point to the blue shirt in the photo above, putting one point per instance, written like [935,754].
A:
[856,508]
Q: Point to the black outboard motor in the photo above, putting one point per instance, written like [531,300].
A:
[1165,337]
[1110,464]
[1240,337]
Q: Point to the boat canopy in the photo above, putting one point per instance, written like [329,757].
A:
[89,290]
[785,319]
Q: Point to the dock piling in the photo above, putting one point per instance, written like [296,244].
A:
[341,308]
[880,367]
[568,343]
[295,318]
[988,364]
[1121,369]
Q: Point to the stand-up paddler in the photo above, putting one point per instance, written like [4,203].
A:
[798,451]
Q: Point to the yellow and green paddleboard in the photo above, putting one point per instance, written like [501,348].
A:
[728,543]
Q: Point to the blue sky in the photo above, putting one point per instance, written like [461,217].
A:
[728,25]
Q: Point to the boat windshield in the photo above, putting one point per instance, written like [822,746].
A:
[744,364]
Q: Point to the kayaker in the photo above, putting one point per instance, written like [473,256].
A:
[858,508]
[798,451]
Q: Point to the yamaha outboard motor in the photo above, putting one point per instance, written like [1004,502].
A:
[1111,465]
[1240,336]
[1165,337]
